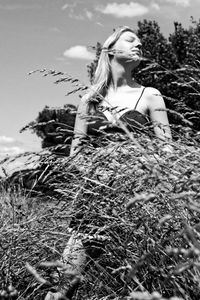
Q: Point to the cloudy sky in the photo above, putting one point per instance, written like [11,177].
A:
[57,34]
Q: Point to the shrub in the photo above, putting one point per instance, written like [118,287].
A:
[134,206]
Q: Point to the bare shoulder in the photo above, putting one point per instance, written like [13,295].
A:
[152,92]
[154,98]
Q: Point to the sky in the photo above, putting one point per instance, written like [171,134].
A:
[58,35]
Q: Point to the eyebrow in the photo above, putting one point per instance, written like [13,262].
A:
[131,35]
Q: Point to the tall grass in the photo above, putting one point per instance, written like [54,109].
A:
[136,215]
[135,209]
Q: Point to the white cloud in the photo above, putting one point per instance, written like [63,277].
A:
[76,16]
[184,3]
[6,139]
[76,13]
[155,6]
[9,147]
[69,6]
[89,14]
[100,24]
[80,52]
[121,10]
[7,151]
[65,6]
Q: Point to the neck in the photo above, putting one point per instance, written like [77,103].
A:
[121,75]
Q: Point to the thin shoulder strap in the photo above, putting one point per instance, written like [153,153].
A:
[139,98]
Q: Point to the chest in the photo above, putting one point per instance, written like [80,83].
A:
[117,104]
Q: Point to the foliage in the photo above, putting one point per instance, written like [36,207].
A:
[134,208]
[174,71]
[55,127]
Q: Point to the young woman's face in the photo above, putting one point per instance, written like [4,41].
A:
[128,47]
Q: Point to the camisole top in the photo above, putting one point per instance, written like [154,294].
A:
[133,119]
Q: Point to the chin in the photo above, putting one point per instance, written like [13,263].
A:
[136,61]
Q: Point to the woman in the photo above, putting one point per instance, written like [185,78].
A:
[115,87]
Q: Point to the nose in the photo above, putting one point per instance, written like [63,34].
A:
[139,45]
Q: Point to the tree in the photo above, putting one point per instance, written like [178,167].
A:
[186,45]
[55,127]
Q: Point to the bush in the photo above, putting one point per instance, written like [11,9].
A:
[134,206]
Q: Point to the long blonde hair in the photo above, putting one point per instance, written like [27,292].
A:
[103,75]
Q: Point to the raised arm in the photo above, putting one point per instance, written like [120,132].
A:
[158,114]
[80,127]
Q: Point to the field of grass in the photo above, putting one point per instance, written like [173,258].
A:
[134,207]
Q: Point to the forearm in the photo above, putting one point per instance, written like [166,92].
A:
[80,128]
[158,115]
[163,132]
[77,143]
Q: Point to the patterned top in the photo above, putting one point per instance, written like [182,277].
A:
[133,119]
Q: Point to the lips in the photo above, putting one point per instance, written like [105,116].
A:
[136,52]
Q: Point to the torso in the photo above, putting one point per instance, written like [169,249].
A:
[123,101]
[128,105]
